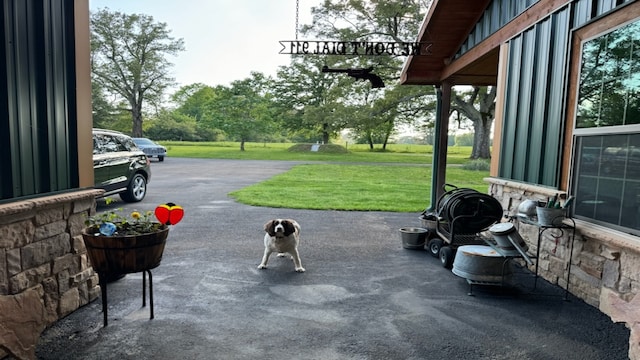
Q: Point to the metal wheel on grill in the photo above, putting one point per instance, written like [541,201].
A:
[446,256]
[434,245]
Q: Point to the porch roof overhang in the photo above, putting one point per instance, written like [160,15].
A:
[446,26]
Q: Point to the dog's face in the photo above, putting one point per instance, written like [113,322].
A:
[281,227]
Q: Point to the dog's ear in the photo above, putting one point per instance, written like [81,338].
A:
[288,227]
[270,228]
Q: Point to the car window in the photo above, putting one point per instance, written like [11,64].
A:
[96,145]
[105,143]
[143,141]
[128,142]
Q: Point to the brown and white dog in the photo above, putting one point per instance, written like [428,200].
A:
[282,236]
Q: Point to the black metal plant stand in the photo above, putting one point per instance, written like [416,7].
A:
[103,289]
[541,230]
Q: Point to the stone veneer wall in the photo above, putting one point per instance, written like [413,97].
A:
[605,266]
[42,256]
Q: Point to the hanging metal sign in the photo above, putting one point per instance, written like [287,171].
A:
[367,48]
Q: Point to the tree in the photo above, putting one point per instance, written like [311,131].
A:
[243,110]
[172,125]
[308,99]
[401,105]
[129,59]
[103,111]
[374,112]
[198,102]
[481,116]
[192,100]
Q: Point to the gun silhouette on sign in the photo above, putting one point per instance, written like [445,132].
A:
[363,74]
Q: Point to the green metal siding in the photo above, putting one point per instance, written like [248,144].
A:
[38,71]
[497,15]
[533,128]
[511,107]
[586,10]
[555,96]
[533,124]
[542,56]
[5,159]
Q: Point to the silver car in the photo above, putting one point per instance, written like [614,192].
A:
[150,148]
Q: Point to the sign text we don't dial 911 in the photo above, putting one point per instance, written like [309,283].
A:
[367,48]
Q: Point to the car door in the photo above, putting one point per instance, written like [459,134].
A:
[112,163]
[100,163]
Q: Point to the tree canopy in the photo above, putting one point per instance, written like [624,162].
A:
[302,102]
[129,59]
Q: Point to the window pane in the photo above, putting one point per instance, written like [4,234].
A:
[590,154]
[631,205]
[614,156]
[633,84]
[633,167]
[609,79]
[607,185]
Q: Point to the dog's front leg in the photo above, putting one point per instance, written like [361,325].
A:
[265,258]
[296,260]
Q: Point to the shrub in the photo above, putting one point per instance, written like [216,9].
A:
[478,165]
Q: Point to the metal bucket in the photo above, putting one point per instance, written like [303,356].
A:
[481,263]
[506,236]
[413,238]
[550,216]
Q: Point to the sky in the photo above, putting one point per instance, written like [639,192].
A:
[224,39]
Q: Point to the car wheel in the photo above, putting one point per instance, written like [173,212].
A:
[136,190]
[160,158]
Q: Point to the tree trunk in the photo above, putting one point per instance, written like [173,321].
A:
[482,118]
[136,115]
[370,141]
[325,133]
[481,139]
[242,144]
[387,134]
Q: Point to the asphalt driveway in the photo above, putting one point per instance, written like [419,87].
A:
[362,297]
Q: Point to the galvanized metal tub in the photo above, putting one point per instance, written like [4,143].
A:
[482,264]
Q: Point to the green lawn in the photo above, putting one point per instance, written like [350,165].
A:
[395,153]
[398,179]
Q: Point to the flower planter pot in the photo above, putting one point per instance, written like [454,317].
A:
[113,255]
[125,254]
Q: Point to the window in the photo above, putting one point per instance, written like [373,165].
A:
[607,155]
[105,143]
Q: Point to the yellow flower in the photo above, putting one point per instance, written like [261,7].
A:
[136,215]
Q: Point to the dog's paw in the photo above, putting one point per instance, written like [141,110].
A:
[261,266]
[300,269]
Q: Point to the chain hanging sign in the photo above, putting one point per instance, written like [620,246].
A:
[366,48]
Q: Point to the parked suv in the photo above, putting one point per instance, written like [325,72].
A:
[119,166]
